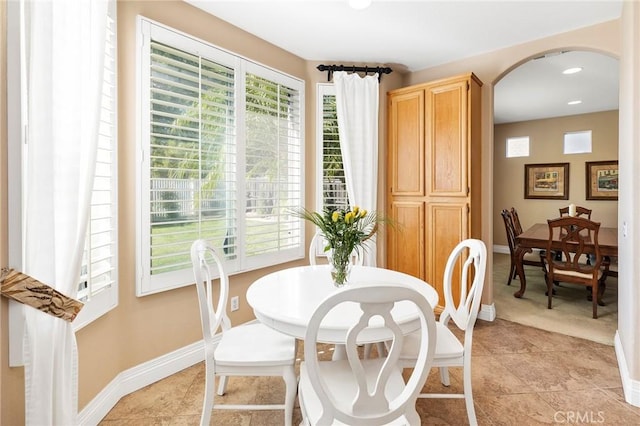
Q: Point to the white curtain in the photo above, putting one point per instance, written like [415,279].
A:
[357,101]
[63,56]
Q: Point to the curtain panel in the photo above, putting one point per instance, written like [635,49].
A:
[357,100]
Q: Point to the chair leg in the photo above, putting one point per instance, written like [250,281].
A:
[291,383]
[444,376]
[549,292]
[594,301]
[367,351]
[209,394]
[222,385]
[512,271]
[468,394]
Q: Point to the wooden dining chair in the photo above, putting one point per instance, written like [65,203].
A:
[467,262]
[246,350]
[530,258]
[360,391]
[574,235]
[580,212]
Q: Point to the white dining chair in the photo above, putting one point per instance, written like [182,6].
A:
[355,391]
[450,351]
[245,350]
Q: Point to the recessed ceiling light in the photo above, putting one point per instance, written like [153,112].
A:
[574,102]
[359,4]
[572,70]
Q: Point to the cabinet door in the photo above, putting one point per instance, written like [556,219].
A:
[447,226]
[406,143]
[406,238]
[447,140]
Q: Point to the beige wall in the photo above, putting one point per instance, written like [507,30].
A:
[546,144]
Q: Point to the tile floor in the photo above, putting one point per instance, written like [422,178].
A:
[521,376]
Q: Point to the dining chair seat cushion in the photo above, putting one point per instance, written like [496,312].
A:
[256,344]
[566,273]
[341,385]
[447,345]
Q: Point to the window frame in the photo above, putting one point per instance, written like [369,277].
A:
[146,282]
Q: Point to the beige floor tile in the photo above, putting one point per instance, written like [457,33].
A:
[543,371]
[516,409]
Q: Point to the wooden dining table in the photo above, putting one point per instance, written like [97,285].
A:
[537,237]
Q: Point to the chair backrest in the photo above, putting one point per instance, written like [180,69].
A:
[473,255]
[517,226]
[580,212]
[509,228]
[574,234]
[369,404]
[203,257]
[318,242]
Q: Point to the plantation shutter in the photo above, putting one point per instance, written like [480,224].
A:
[334,187]
[273,164]
[192,157]
[99,257]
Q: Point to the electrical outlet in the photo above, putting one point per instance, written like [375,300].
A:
[235,303]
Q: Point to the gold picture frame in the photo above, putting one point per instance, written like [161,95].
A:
[546,181]
[602,180]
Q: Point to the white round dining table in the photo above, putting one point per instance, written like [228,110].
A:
[285,300]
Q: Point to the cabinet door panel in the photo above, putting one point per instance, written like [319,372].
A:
[406,238]
[448,225]
[406,147]
[446,138]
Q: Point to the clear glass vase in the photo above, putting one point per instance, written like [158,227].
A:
[340,267]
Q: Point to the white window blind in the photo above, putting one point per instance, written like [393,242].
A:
[207,116]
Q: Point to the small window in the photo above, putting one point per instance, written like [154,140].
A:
[518,147]
[577,142]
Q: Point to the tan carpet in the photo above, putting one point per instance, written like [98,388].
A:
[570,313]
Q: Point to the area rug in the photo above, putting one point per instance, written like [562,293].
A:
[570,313]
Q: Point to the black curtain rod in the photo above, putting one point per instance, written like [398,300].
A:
[332,68]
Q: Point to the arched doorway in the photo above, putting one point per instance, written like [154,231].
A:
[530,100]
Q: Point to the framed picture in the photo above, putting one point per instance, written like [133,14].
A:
[602,180]
[546,181]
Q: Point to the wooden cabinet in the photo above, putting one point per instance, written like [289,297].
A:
[433,174]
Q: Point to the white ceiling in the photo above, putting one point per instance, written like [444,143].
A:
[414,35]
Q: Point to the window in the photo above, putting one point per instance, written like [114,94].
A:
[221,159]
[577,142]
[518,147]
[332,188]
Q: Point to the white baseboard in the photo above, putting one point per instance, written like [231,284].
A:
[138,377]
[501,249]
[487,312]
[630,386]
